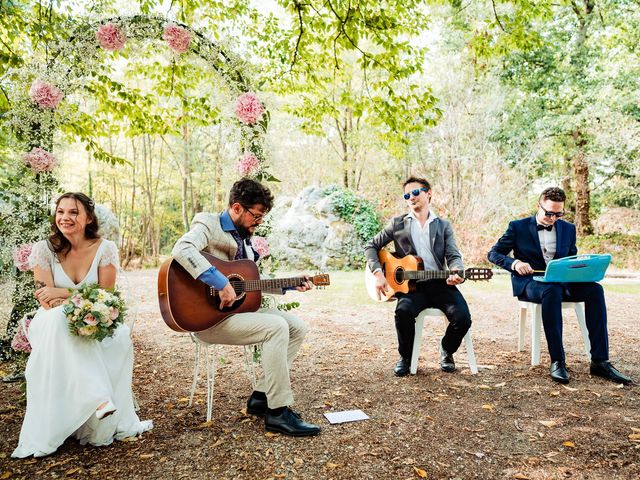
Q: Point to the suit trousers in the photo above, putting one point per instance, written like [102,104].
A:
[551,296]
[281,334]
[432,294]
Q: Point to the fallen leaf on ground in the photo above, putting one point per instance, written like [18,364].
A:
[569,444]
[270,434]
[554,393]
[146,455]
[501,384]
[488,406]
[548,423]
[206,424]
[331,466]
[521,476]
[6,474]
[71,471]
[421,473]
[571,389]
[634,437]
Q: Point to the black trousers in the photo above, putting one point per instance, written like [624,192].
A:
[432,294]
[551,296]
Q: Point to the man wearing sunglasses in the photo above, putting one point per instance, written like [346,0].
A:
[534,242]
[228,237]
[422,233]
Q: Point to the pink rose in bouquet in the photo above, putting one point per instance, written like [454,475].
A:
[110,37]
[89,319]
[260,245]
[249,108]
[178,39]
[45,95]
[247,164]
[39,160]
[21,257]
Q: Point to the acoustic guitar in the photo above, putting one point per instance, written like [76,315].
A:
[188,305]
[402,273]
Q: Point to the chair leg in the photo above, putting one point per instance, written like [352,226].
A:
[211,376]
[417,342]
[536,327]
[195,373]
[582,323]
[471,356]
[522,323]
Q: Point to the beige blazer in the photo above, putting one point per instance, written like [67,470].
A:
[206,234]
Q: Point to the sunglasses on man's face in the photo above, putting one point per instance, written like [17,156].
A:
[415,192]
[549,214]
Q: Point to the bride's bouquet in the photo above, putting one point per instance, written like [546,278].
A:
[94,312]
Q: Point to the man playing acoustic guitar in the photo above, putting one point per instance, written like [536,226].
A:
[227,236]
[421,232]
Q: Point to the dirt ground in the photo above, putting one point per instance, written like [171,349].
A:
[509,421]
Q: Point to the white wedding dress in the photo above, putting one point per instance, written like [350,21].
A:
[68,377]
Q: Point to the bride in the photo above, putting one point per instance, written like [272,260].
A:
[75,386]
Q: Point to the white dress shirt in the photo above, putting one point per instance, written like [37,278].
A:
[422,240]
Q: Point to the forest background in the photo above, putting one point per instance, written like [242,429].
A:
[490,100]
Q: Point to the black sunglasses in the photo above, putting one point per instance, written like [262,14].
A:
[415,192]
[549,214]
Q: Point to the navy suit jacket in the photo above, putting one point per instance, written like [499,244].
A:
[521,238]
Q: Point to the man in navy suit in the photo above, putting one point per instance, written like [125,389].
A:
[535,241]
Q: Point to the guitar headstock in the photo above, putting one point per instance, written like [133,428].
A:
[320,280]
[478,273]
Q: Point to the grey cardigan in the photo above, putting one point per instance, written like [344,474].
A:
[398,231]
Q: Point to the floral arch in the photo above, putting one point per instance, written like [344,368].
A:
[36,95]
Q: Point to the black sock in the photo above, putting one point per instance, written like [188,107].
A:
[259,395]
[276,411]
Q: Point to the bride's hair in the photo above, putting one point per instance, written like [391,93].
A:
[57,241]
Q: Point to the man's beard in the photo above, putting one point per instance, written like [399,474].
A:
[243,232]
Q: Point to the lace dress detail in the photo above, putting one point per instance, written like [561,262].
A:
[109,255]
[41,256]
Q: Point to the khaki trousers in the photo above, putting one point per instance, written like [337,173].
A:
[281,335]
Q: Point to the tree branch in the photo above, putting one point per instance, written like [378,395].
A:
[495,14]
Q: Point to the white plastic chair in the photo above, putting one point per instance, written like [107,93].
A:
[534,310]
[417,341]
[209,351]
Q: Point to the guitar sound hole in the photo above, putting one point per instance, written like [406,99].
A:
[398,275]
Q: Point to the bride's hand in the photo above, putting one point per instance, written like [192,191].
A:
[46,295]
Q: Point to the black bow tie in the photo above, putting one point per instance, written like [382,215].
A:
[544,227]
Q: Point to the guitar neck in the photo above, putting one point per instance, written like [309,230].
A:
[267,284]
[430,274]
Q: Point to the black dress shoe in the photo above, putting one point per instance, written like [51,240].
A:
[606,370]
[257,404]
[402,367]
[446,362]
[558,372]
[289,422]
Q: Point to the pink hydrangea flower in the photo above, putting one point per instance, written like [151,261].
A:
[247,164]
[259,244]
[40,160]
[110,37]
[249,108]
[178,39]
[45,95]
[20,342]
[21,257]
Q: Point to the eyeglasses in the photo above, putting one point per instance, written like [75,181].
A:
[415,192]
[549,214]
[257,217]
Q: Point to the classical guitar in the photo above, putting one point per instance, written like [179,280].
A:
[401,274]
[188,305]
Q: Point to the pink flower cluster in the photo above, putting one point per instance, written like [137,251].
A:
[45,95]
[20,342]
[249,108]
[247,164]
[178,39]
[259,244]
[21,257]
[110,37]
[40,160]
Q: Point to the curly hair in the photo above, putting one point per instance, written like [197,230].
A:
[248,192]
[58,243]
[555,194]
[421,181]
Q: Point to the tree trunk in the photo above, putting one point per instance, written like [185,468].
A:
[582,190]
